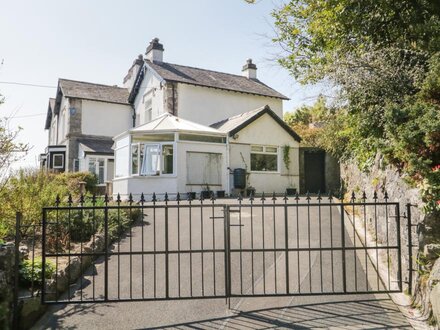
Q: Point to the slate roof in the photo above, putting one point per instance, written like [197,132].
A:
[95,92]
[214,79]
[99,146]
[236,123]
[169,123]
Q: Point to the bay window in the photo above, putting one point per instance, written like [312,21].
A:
[264,159]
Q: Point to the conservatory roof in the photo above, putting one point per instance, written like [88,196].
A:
[169,123]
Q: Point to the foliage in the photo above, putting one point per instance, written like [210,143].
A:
[32,273]
[286,156]
[10,150]
[383,59]
[29,190]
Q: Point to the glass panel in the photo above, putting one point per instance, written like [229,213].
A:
[122,162]
[167,159]
[135,159]
[92,165]
[154,138]
[202,138]
[271,149]
[101,167]
[150,162]
[57,160]
[264,162]
[257,148]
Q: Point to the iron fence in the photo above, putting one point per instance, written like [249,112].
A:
[105,251]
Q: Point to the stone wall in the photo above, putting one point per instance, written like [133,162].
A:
[6,284]
[383,178]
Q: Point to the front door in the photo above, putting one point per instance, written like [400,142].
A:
[314,167]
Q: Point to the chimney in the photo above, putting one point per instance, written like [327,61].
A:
[154,51]
[133,71]
[250,69]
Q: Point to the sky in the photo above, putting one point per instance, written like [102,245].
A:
[97,41]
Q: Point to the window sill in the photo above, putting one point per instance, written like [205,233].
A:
[265,172]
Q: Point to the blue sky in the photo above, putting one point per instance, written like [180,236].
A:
[96,41]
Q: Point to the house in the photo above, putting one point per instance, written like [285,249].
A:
[81,122]
[175,129]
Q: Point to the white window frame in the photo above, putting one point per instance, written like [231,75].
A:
[98,157]
[53,161]
[264,152]
[142,145]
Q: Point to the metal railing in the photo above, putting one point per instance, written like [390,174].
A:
[105,251]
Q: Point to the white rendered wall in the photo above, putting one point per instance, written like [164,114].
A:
[265,131]
[150,86]
[105,119]
[183,148]
[209,105]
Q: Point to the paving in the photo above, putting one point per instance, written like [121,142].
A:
[304,280]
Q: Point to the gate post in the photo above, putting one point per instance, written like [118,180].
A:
[410,258]
[15,312]
[43,256]
[106,247]
[344,275]
[227,253]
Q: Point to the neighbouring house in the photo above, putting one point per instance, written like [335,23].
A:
[81,122]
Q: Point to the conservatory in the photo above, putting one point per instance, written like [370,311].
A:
[170,154]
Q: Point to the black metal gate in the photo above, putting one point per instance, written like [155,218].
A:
[102,251]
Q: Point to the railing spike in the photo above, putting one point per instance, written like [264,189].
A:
[178,197]
[130,198]
[212,196]
[364,196]
[118,198]
[274,198]
[201,198]
[285,198]
[263,198]
[297,196]
[57,200]
[251,196]
[308,196]
[94,199]
[70,200]
[330,195]
[166,199]
[106,199]
[385,195]
[154,198]
[189,197]
[353,197]
[375,195]
[319,195]
[81,199]
[142,198]
[240,197]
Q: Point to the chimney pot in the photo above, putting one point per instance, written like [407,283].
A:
[154,52]
[250,69]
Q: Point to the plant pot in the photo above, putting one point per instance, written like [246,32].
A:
[220,194]
[191,195]
[291,191]
[250,191]
[206,194]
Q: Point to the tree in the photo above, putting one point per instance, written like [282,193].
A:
[10,150]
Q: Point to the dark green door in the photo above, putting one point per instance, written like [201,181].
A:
[314,168]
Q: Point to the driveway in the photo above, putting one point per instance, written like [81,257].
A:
[202,274]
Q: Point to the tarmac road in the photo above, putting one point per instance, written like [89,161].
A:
[202,273]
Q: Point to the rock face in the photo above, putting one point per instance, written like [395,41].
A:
[379,179]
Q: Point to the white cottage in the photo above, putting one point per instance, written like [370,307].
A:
[171,154]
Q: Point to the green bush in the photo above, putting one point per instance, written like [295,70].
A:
[29,190]
[29,274]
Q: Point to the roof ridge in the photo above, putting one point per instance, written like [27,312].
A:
[215,71]
[90,83]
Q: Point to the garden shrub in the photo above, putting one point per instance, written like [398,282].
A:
[29,274]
